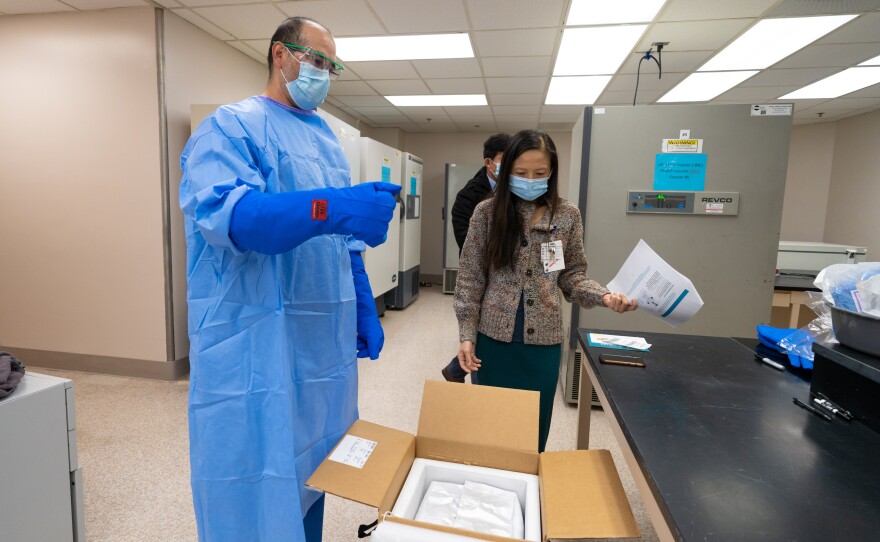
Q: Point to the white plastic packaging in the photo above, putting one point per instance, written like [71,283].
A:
[440,504]
[869,295]
[489,510]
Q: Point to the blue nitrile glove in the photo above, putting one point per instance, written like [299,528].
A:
[370,336]
[276,223]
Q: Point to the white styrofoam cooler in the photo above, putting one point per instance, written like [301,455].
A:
[809,256]
[425,471]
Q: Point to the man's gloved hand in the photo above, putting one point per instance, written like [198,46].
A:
[370,337]
[276,223]
[363,211]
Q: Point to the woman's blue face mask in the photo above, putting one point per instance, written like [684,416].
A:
[528,189]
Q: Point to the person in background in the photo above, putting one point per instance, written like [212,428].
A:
[466,201]
[524,244]
[279,301]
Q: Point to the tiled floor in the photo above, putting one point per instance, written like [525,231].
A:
[133,443]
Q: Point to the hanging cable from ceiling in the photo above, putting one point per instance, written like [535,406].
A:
[649,55]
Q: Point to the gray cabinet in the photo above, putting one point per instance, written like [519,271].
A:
[41,495]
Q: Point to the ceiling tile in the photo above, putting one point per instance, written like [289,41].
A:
[193,3]
[575,110]
[646,82]
[501,110]
[448,67]
[105,4]
[246,49]
[13,7]
[388,119]
[559,118]
[382,111]
[626,97]
[517,66]
[756,94]
[517,85]
[695,10]
[456,86]
[420,113]
[262,46]
[840,55]
[515,125]
[342,17]
[867,92]
[502,14]
[516,99]
[797,77]
[806,8]
[396,69]
[532,42]
[419,16]
[673,61]
[169,3]
[255,21]
[861,29]
[402,87]
[351,88]
[848,103]
[202,23]
[694,36]
[469,110]
[473,119]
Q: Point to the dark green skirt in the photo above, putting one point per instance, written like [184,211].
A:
[522,367]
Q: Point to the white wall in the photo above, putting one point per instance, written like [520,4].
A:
[439,148]
[199,69]
[855,184]
[80,197]
[807,182]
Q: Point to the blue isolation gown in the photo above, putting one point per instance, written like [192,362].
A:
[273,381]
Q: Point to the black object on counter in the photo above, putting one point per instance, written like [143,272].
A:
[850,380]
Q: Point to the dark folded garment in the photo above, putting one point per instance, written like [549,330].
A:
[11,371]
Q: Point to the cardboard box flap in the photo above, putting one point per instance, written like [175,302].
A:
[377,483]
[476,422]
[582,497]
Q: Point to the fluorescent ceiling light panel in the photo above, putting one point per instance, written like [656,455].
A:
[586,12]
[421,47]
[438,100]
[847,81]
[702,87]
[596,50]
[771,40]
[872,62]
[581,90]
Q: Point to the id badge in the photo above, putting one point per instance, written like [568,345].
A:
[552,257]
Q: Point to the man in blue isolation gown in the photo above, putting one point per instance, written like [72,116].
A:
[279,301]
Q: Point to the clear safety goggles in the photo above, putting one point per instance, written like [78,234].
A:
[316,59]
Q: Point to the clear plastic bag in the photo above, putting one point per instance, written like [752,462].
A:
[489,510]
[800,342]
[839,283]
[440,504]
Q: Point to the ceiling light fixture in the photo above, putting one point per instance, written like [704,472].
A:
[579,90]
[421,47]
[596,50]
[771,40]
[702,87]
[849,80]
[587,12]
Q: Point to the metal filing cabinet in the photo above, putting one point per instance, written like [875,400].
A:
[41,493]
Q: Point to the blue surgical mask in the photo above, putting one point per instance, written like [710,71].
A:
[497,169]
[526,189]
[311,87]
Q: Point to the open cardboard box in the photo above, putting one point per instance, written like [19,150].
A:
[580,492]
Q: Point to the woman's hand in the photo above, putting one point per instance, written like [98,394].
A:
[619,302]
[466,357]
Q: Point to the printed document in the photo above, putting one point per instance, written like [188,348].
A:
[660,290]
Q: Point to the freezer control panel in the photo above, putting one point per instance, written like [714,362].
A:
[682,203]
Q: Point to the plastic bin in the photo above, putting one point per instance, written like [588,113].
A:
[856,330]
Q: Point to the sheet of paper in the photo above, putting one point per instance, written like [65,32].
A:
[660,290]
[353,451]
[623,342]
